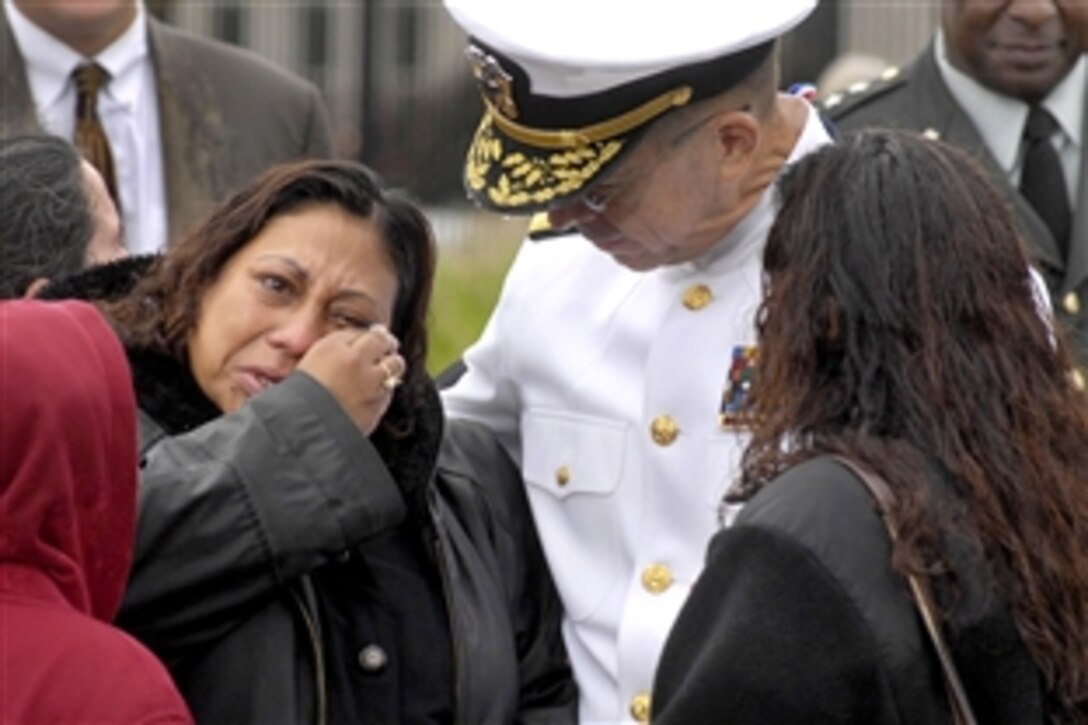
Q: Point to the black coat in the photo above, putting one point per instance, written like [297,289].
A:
[253,525]
[799,618]
[918,99]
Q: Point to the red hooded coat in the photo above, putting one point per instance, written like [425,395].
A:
[68,476]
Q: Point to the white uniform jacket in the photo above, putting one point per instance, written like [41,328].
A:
[608,386]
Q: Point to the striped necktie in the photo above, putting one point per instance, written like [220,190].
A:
[90,136]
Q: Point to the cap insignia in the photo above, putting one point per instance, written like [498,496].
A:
[495,83]
[514,180]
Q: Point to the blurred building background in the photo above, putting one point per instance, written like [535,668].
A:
[402,100]
[398,88]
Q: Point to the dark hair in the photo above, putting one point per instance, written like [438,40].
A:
[47,216]
[899,326]
[162,310]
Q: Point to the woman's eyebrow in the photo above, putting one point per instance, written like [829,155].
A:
[304,275]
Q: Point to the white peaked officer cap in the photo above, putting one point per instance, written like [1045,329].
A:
[570,85]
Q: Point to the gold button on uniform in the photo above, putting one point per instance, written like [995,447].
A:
[656,578]
[664,430]
[697,297]
[1079,381]
[640,707]
[1071,303]
[562,475]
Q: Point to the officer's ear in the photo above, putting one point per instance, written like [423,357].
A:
[737,133]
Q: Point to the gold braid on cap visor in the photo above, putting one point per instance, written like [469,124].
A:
[578,154]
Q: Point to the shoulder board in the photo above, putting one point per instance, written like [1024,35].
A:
[858,94]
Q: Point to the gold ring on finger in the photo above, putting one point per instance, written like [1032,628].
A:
[391,380]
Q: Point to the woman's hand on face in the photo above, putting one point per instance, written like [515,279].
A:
[360,369]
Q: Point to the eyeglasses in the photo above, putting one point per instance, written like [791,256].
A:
[599,196]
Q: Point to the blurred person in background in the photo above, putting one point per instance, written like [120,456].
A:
[172,121]
[314,544]
[58,216]
[1007,82]
[68,475]
[849,70]
[899,332]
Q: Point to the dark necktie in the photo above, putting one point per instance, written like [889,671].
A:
[1042,181]
[90,136]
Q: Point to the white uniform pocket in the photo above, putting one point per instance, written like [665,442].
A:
[572,465]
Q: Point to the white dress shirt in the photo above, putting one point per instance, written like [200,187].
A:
[1000,118]
[580,361]
[127,105]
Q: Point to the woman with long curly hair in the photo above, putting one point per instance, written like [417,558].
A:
[899,329]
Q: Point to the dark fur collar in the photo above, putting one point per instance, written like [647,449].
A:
[101,283]
[164,388]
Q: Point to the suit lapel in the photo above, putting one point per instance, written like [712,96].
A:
[957,129]
[16,105]
[192,130]
[1077,272]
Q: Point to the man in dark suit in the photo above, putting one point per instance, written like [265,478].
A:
[990,67]
[188,119]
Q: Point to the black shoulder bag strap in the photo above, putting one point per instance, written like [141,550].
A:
[923,598]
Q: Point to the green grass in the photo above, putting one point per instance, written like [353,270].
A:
[467,283]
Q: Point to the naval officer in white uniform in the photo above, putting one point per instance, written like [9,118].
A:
[615,362]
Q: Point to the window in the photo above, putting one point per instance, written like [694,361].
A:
[315,45]
[407,36]
[227,23]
